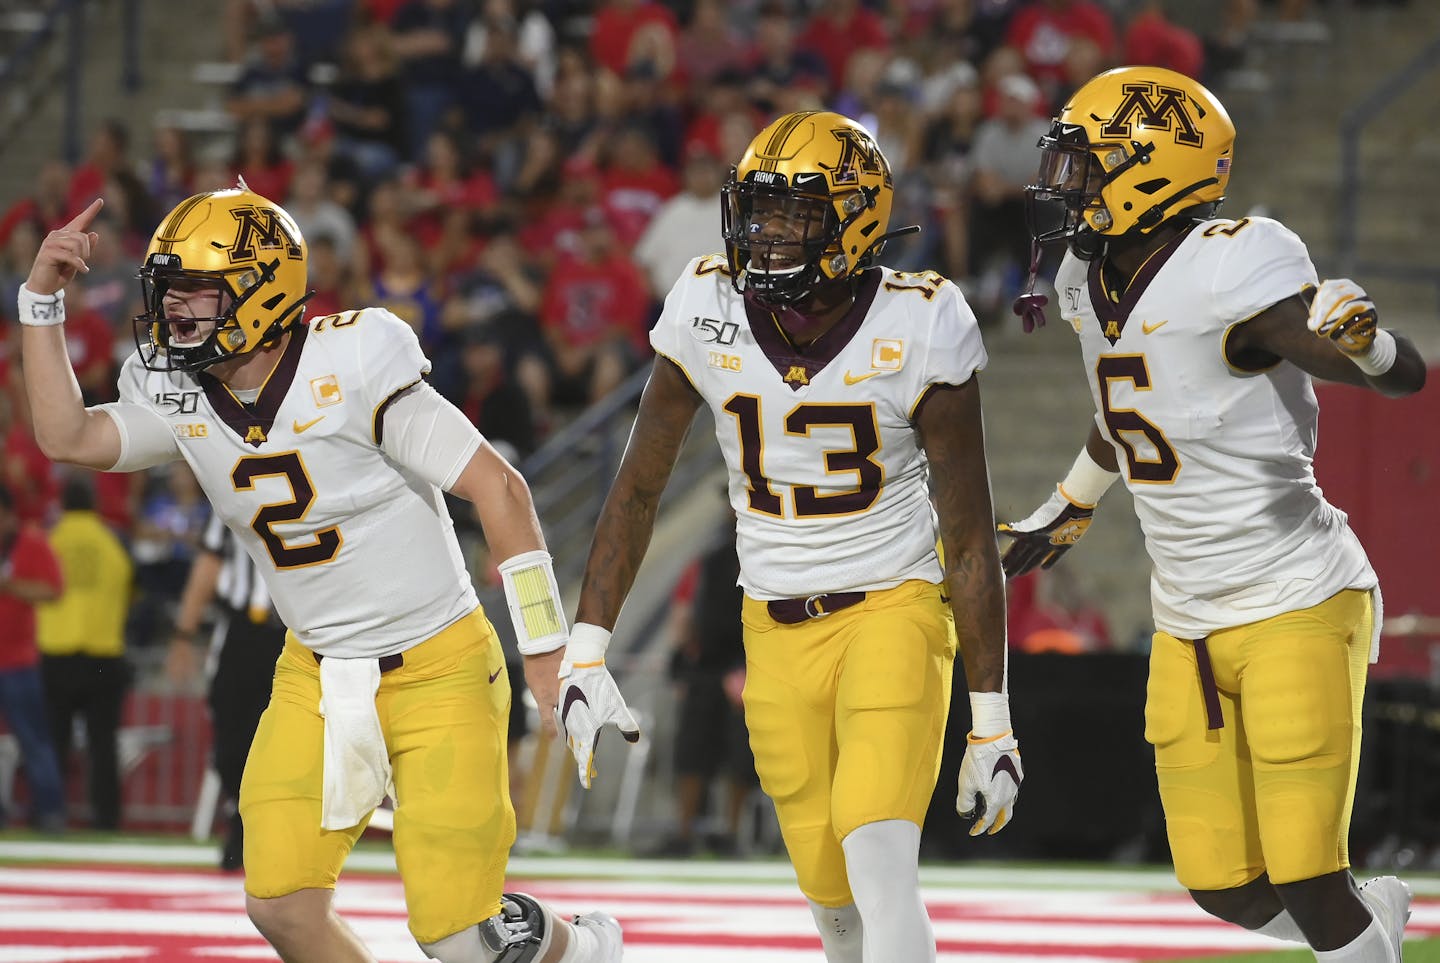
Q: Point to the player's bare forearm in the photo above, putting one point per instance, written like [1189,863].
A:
[1279,333]
[31,590]
[65,430]
[976,587]
[1101,451]
[628,518]
[950,425]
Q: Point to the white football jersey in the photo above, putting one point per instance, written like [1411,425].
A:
[827,477]
[359,553]
[1218,459]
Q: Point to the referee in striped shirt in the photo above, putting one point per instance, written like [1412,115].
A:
[246,641]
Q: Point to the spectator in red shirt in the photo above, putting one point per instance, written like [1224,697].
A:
[25,472]
[1043,32]
[447,180]
[840,28]
[90,339]
[635,184]
[259,160]
[1153,39]
[106,157]
[710,44]
[555,232]
[627,32]
[593,316]
[327,277]
[29,574]
[45,208]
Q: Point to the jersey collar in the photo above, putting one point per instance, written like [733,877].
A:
[253,422]
[1113,314]
[798,366]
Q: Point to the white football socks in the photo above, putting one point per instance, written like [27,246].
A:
[1371,946]
[1283,927]
[883,862]
[840,932]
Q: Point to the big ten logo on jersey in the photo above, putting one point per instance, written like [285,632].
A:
[192,431]
[326,391]
[719,359]
[887,354]
[710,331]
[177,402]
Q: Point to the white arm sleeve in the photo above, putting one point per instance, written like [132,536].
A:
[146,439]
[428,435]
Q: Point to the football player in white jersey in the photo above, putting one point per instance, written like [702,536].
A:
[323,449]
[1201,336]
[845,398]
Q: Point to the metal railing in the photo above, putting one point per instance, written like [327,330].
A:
[1352,126]
[570,474]
[44,61]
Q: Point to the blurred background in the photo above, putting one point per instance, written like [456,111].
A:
[522,181]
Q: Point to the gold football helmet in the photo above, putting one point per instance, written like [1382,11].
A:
[808,203]
[1132,147]
[243,247]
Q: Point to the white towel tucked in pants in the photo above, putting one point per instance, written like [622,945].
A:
[357,765]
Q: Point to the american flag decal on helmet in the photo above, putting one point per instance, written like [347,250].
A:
[1222,166]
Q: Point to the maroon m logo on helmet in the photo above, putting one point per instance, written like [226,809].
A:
[262,228]
[858,153]
[1156,107]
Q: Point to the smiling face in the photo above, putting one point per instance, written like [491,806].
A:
[780,227]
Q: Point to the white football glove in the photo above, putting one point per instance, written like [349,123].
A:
[990,776]
[589,699]
[1342,312]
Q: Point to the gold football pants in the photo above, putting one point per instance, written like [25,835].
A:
[444,714]
[847,717]
[1271,790]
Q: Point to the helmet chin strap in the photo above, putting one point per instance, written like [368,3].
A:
[1155,216]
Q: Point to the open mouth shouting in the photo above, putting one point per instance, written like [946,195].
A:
[185,331]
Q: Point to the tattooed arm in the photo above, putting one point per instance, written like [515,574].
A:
[954,438]
[626,522]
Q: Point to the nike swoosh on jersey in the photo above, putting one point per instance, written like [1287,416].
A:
[299,427]
[572,696]
[1007,765]
[856,379]
[496,674]
[1149,328]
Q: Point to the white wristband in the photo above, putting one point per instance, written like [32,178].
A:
[989,714]
[1378,360]
[41,310]
[587,644]
[1087,481]
[534,601]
